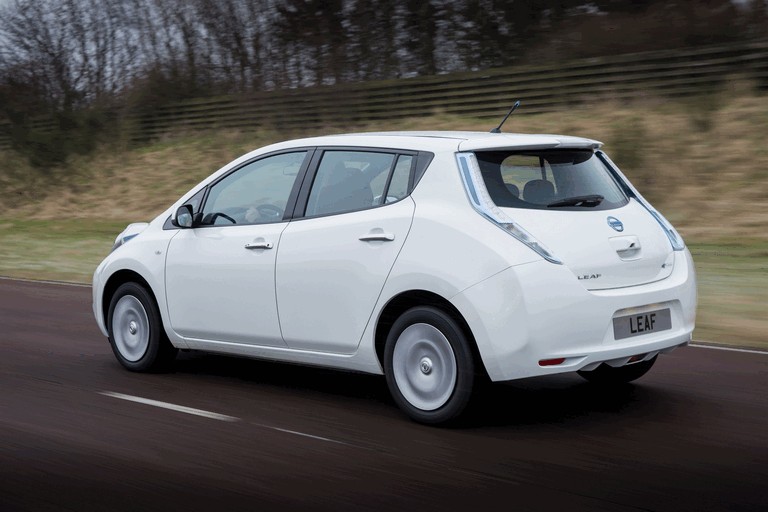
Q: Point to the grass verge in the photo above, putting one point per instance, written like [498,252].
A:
[733,292]
[66,250]
[732,275]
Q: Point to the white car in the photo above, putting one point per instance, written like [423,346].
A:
[434,258]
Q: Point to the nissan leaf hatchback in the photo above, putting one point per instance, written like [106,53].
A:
[434,258]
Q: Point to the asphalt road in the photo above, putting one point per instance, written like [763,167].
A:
[691,435]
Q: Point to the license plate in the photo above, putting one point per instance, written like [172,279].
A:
[641,323]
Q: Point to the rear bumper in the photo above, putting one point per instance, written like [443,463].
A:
[539,311]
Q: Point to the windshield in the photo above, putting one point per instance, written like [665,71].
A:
[552,179]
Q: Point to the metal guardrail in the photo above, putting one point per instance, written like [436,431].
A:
[487,93]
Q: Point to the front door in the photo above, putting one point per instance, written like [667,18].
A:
[220,275]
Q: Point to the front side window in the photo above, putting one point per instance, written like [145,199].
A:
[348,181]
[549,179]
[257,193]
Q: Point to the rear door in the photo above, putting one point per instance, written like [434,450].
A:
[334,260]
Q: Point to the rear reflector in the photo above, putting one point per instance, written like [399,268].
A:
[552,362]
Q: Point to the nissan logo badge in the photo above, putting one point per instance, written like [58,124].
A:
[615,224]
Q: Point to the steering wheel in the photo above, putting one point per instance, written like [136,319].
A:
[216,215]
[270,211]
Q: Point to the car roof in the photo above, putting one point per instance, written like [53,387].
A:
[444,141]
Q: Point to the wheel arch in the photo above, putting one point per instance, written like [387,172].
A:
[404,301]
[114,282]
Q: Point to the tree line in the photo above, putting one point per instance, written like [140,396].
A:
[74,60]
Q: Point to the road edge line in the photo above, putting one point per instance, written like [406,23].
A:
[729,349]
[44,281]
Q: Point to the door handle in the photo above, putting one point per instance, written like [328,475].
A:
[626,246]
[377,237]
[629,250]
[631,247]
[259,245]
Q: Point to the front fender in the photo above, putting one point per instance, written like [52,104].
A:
[144,255]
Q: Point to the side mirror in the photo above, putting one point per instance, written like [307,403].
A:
[183,218]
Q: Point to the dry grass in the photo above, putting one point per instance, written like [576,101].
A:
[702,162]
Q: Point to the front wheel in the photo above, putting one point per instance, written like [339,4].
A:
[136,331]
[429,366]
[605,374]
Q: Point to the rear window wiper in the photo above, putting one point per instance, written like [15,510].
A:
[588,201]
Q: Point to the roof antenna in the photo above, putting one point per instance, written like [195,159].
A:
[514,107]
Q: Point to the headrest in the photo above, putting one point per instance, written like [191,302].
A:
[539,191]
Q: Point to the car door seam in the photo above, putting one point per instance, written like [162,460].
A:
[389,272]
[274,281]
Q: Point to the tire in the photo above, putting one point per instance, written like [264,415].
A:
[136,332]
[605,374]
[429,366]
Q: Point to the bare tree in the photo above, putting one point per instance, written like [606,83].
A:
[80,50]
[76,54]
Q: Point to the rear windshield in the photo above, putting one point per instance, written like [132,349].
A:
[555,179]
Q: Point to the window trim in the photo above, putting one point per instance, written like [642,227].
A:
[310,151]
[419,163]
[423,160]
[297,200]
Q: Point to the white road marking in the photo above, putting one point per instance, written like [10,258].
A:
[729,349]
[208,414]
[319,438]
[172,407]
[39,281]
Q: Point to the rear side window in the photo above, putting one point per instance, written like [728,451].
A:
[566,179]
[398,185]
[348,181]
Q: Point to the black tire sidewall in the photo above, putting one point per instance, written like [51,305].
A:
[465,364]
[156,335]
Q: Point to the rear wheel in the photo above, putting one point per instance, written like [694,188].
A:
[429,366]
[605,374]
[136,332]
